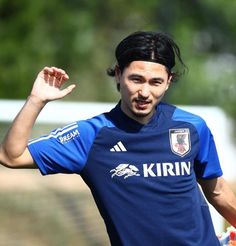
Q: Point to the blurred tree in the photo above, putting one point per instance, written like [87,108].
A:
[80,36]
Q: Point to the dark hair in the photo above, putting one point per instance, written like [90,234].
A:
[148,46]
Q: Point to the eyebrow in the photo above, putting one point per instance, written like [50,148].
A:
[135,75]
[141,76]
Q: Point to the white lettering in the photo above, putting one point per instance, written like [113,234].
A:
[177,169]
[147,170]
[167,169]
[159,173]
[185,167]
[71,135]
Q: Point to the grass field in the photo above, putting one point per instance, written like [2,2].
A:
[48,218]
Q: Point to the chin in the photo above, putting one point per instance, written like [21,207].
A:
[140,114]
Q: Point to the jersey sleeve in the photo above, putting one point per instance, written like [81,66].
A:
[207,164]
[64,150]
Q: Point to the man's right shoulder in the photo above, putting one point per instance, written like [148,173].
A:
[97,122]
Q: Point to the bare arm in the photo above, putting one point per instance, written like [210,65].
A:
[219,194]
[47,87]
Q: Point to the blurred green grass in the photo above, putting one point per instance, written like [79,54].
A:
[48,218]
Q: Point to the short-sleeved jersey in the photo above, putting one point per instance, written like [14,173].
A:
[142,177]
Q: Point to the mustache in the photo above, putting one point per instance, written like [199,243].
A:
[139,99]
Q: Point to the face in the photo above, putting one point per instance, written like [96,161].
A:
[142,86]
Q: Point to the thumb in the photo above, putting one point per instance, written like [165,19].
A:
[68,90]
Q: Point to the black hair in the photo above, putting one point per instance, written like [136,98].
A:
[148,46]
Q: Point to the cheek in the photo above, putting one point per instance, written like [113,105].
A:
[160,92]
[123,91]
[127,89]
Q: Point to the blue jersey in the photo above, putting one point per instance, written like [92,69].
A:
[142,177]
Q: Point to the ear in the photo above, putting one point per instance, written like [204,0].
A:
[169,82]
[117,72]
[117,77]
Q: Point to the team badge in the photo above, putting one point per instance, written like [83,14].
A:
[180,141]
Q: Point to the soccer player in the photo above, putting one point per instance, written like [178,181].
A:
[143,160]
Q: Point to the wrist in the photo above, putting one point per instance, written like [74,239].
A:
[36,101]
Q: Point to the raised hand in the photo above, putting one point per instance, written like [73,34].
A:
[47,86]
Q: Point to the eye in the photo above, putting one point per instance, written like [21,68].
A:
[136,79]
[157,82]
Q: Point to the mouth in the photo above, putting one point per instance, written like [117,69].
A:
[142,104]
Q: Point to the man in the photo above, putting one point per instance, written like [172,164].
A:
[141,160]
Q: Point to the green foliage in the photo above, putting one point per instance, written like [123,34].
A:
[80,36]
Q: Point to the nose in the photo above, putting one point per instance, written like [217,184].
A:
[144,90]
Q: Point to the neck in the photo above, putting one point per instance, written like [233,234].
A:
[139,117]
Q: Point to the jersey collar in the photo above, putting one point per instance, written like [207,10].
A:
[124,122]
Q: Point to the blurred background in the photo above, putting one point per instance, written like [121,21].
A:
[80,36]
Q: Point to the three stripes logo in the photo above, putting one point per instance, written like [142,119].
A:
[119,147]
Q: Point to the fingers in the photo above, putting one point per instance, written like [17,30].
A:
[54,71]
[55,76]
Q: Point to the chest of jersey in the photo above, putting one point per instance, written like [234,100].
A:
[153,156]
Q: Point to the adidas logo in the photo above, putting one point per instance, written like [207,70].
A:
[119,147]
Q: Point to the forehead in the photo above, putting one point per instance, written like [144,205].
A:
[144,68]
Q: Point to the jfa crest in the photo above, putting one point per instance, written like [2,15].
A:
[180,141]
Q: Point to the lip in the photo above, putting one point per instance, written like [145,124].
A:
[140,104]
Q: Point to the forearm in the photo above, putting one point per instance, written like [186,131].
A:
[16,140]
[219,194]
[225,204]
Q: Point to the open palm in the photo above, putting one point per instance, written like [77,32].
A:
[48,84]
